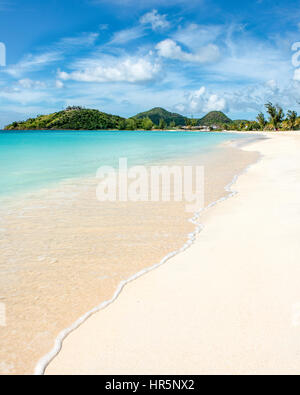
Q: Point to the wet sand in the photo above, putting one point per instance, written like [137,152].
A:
[63,253]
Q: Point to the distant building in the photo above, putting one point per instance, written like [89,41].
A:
[200,128]
[205,128]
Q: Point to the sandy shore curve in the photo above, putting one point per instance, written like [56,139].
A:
[228,305]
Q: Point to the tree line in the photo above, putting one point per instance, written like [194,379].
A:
[145,124]
[276,120]
[78,118]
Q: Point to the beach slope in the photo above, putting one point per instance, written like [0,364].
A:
[230,304]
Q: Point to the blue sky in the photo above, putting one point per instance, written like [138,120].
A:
[128,56]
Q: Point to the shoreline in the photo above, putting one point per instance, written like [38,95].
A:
[190,240]
[255,132]
[43,364]
[57,267]
[94,334]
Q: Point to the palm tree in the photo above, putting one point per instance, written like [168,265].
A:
[292,118]
[261,120]
[242,125]
[276,115]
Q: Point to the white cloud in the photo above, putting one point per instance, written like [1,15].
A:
[124,36]
[156,20]
[30,84]
[249,60]
[201,101]
[26,92]
[252,98]
[195,98]
[56,52]
[129,69]
[195,36]
[272,84]
[83,39]
[297,75]
[200,92]
[171,50]
[32,63]
[24,97]
[215,103]
[153,18]
[59,84]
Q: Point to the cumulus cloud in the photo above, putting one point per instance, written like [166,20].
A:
[195,98]
[130,69]
[156,20]
[201,101]
[171,50]
[215,103]
[247,99]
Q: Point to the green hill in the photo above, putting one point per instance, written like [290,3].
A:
[78,118]
[73,118]
[157,113]
[214,118]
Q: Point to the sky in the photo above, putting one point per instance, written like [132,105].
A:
[127,56]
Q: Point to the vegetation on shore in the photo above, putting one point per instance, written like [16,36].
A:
[72,118]
[79,118]
[276,121]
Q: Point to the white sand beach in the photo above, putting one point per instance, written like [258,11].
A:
[230,304]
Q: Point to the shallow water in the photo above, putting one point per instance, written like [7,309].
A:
[33,160]
[63,252]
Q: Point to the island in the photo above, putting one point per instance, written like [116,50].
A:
[79,118]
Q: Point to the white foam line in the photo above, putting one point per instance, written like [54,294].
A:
[48,358]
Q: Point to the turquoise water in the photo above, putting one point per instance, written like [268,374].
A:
[34,160]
